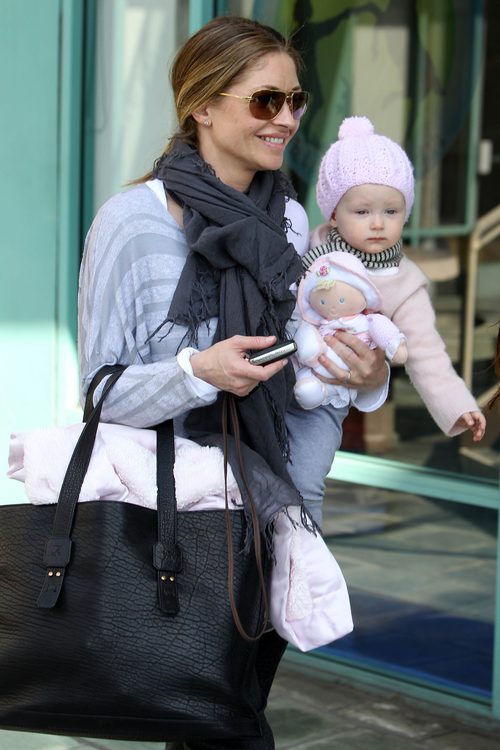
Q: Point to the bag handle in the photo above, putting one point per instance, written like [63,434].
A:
[167,557]
[167,554]
[57,552]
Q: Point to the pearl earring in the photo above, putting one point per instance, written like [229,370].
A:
[206,123]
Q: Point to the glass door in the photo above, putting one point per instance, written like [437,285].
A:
[421,574]
[411,514]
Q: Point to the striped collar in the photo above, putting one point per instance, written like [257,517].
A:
[389,258]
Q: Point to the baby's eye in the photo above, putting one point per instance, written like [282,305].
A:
[341,300]
[361,211]
[322,301]
[392,211]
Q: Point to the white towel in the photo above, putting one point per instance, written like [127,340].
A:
[122,467]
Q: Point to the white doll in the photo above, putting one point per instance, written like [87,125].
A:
[336,294]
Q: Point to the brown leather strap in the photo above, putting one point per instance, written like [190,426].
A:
[257,540]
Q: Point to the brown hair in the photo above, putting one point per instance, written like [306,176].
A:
[211,60]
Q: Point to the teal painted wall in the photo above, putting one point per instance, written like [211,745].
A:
[39,198]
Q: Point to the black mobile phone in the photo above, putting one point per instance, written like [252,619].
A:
[273,353]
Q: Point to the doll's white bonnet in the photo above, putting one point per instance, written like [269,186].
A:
[336,266]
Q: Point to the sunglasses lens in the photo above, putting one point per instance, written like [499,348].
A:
[264,105]
[299,104]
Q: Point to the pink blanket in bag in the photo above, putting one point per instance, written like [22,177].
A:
[308,595]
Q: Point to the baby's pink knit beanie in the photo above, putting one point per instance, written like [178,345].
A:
[360,156]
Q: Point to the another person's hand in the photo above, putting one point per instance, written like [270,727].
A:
[225,365]
[367,368]
[474,421]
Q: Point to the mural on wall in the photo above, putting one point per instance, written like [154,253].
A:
[311,29]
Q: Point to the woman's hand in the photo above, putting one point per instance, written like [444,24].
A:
[225,365]
[367,368]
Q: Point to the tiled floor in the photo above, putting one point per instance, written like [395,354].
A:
[314,712]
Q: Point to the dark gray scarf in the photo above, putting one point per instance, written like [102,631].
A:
[240,269]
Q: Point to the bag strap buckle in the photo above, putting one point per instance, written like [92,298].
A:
[56,557]
[167,565]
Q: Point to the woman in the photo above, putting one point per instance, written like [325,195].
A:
[191,269]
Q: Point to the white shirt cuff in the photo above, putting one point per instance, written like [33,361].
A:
[200,388]
[371,400]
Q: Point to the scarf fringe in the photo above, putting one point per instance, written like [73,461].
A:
[306,521]
[280,427]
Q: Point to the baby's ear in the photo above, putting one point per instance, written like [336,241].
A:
[333,220]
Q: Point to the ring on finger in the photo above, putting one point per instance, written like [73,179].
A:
[347,376]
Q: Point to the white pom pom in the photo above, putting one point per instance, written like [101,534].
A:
[356,127]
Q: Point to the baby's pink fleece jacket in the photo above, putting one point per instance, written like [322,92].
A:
[406,302]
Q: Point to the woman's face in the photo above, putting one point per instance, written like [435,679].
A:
[235,143]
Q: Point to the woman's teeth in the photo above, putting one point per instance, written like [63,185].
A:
[272,139]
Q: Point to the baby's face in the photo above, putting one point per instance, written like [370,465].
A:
[370,217]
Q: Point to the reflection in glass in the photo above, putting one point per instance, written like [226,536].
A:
[421,575]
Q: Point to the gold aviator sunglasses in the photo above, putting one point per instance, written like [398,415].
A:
[266,104]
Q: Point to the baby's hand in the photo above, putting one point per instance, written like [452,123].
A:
[473,421]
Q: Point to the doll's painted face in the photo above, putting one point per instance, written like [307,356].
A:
[370,217]
[337,301]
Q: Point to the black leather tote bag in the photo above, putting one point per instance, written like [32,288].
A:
[115,620]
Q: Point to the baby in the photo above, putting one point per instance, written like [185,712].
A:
[365,191]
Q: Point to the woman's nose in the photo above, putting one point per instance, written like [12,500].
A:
[285,117]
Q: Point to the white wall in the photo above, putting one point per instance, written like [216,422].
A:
[380,77]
